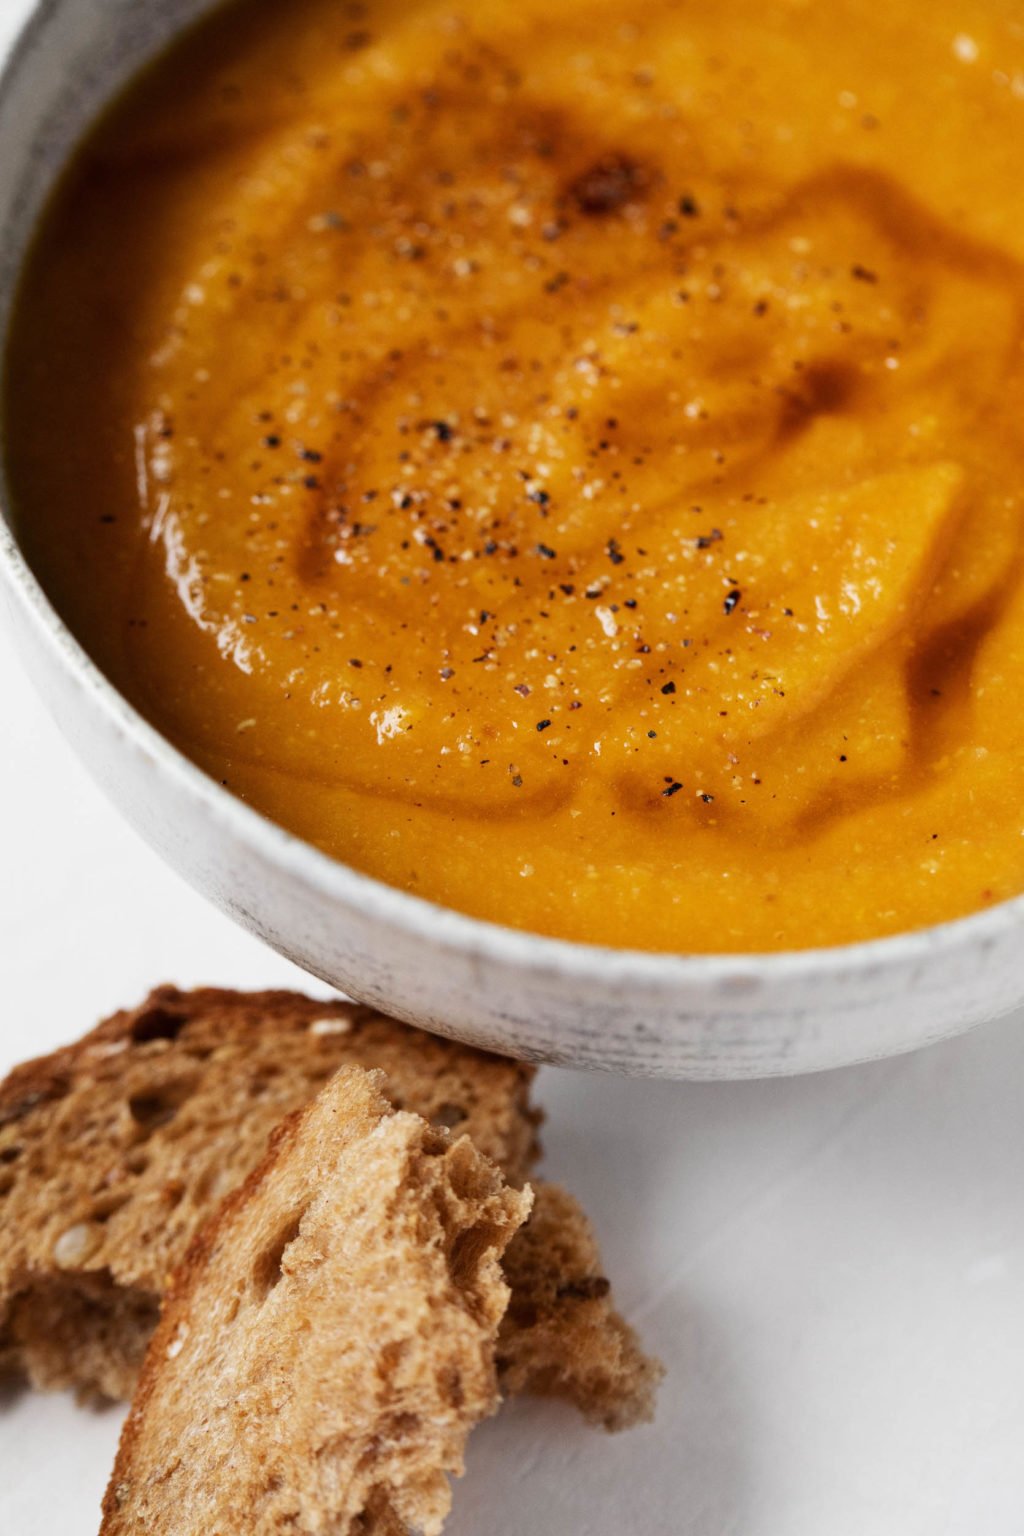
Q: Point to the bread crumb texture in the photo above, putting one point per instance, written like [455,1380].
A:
[329,1341]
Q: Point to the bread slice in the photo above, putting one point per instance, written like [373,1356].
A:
[561,1336]
[329,1341]
[115,1150]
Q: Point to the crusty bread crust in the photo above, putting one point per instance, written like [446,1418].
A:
[328,1342]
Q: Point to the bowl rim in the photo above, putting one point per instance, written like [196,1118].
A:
[423,919]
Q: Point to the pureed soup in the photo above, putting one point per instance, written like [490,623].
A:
[565,461]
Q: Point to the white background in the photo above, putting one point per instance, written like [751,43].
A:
[831,1268]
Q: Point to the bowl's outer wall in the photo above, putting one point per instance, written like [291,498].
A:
[702,1017]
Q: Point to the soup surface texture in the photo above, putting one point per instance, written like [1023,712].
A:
[565,461]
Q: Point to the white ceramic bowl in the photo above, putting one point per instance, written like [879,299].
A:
[674,1016]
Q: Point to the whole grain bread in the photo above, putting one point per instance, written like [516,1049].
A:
[562,1336]
[328,1342]
[115,1150]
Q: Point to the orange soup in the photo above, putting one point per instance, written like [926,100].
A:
[564,461]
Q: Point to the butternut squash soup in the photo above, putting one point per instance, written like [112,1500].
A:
[565,461]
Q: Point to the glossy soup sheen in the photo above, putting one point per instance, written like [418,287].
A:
[565,461]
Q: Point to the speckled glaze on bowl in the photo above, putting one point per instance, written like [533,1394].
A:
[681,1016]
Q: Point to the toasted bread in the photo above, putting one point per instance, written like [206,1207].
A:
[328,1342]
[115,1150]
[562,1336]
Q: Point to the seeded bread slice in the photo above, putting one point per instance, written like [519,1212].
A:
[115,1150]
[561,1336]
[329,1341]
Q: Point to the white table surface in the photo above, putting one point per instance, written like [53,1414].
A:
[831,1268]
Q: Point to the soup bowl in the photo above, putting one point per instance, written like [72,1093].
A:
[671,1015]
